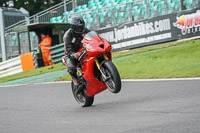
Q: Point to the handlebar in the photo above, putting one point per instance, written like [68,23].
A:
[82,54]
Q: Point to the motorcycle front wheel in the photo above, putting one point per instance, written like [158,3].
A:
[81,97]
[113,80]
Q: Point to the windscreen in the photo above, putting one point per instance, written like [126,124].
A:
[90,35]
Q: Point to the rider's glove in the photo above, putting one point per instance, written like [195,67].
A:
[64,60]
[76,55]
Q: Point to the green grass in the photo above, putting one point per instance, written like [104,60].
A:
[147,49]
[178,61]
[169,60]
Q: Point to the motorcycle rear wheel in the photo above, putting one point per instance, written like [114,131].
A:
[114,81]
[81,97]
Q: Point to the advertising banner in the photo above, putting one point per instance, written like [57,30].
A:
[187,24]
[160,29]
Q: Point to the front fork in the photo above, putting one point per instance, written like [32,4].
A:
[99,67]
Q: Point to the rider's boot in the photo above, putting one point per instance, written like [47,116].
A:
[75,80]
[78,86]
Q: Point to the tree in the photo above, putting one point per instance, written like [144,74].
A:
[3,3]
[33,6]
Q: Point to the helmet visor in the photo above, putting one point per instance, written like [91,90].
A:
[78,29]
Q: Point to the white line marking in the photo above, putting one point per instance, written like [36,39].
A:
[57,82]
[123,80]
[13,85]
[169,79]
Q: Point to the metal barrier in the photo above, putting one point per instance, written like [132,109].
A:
[10,67]
[57,53]
[18,64]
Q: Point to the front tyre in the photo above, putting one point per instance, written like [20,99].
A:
[113,80]
[81,97]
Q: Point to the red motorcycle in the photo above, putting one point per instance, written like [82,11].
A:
[96,72]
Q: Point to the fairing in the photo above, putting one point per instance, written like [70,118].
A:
[94,85]
[95,46]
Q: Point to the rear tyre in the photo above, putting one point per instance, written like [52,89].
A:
[81,97]
[113,81]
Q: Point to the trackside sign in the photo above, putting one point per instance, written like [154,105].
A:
[137,30]
[156,30]
[188,23]
[140,33]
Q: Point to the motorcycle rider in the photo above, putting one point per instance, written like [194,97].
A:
[72,43]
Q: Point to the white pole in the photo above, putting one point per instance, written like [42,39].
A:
[65,10]
[24,11]
[3,48]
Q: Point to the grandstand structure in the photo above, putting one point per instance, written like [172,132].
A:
[101,14]
[8,17]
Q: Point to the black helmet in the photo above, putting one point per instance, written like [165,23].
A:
[77,24]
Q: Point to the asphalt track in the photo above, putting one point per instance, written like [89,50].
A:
[143,106]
